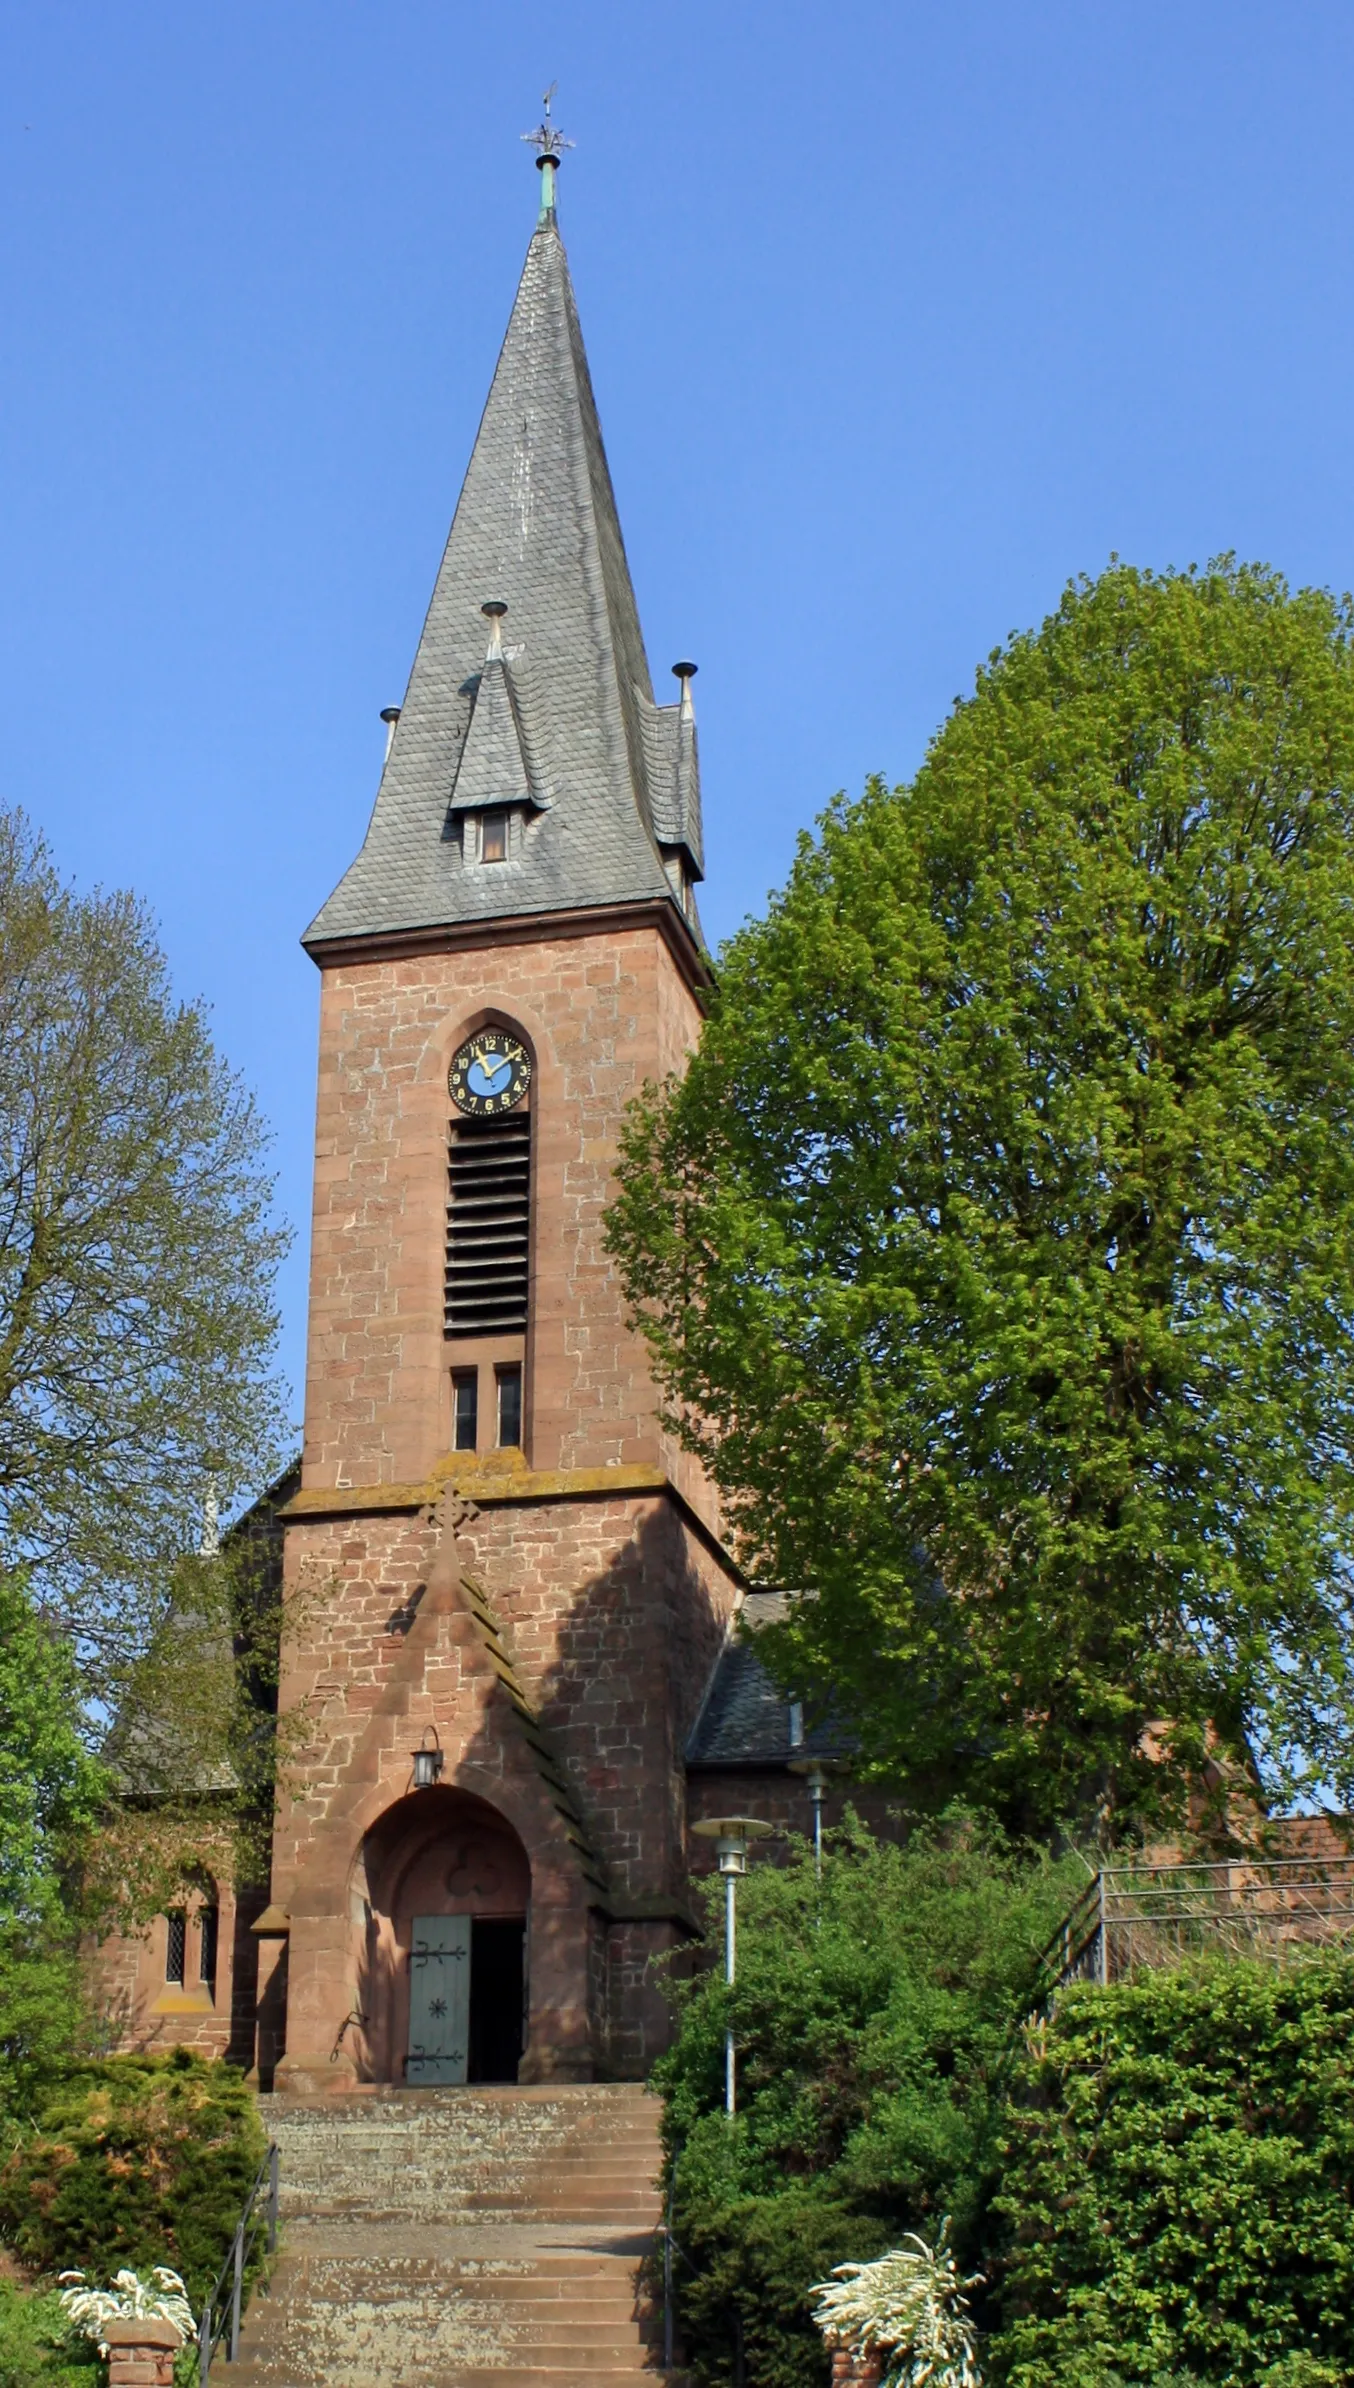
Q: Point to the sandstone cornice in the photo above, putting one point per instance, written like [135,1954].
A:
[475,1481]
[532,928]
[490,1485]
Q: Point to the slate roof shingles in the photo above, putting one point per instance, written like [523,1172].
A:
[746,1720]
[536,527]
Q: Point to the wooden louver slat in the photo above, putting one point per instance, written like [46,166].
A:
[488,1226]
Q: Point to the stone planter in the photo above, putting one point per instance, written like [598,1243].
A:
[855,2371]
[141,2352]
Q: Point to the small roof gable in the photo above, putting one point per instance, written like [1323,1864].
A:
[493,766]
[565,722]
[745,1719]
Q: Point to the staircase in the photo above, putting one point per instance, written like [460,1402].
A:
[481,2238]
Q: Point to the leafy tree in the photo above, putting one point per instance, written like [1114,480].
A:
[51,1796]
[51,1789]
[136,1259]
[997,1250]
[197,1747]
[874,2015]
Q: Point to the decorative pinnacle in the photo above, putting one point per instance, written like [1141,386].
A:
[550,144]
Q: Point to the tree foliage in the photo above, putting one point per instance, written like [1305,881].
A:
[52,1795]
[874,2015]
[1178,2184]
[197,1749]
[137,1258]
[997,1250]
[51,1790]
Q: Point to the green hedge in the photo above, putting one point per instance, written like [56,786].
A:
[133,2160]
[1177,2191]
[874,2015]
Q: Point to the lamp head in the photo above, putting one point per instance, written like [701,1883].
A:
[428,1762]
[731,1835]
[813,1771]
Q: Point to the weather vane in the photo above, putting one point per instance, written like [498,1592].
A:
[549,144]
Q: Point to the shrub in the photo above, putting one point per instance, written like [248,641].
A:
[874,2016]
[36,2346]
[137,2161]
[1177,2191]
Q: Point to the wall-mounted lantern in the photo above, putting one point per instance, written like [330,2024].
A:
[428,1760]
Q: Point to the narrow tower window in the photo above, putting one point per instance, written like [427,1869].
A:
[509,1408]
[209,1925]
[466,1387]
[488,1226]
[176,1946]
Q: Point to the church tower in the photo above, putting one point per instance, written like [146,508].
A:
[507,1585]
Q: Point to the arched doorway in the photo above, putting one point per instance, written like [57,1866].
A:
[448,1894]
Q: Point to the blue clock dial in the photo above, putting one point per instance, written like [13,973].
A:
[490,1073]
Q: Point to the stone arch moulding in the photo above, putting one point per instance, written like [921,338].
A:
[457,1026]
[446,1926]
[524,1806]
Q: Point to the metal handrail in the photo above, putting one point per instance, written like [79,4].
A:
[1132,1915]
[672,2245]
[221,2313]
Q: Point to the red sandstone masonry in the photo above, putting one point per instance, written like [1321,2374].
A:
[141,2353]
[612,1608]
[601,1015]
[613,1611]
[854,2371]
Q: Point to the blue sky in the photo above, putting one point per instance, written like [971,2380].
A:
[898,315]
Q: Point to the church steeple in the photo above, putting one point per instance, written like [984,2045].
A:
[556,730]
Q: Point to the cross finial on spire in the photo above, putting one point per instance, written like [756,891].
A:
[549,144]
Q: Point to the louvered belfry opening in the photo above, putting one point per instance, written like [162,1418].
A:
[488,1226]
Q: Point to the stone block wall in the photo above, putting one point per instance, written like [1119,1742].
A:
[141,2353]
[147,2012]
[600,1014]
[782,1799]
[611,1611]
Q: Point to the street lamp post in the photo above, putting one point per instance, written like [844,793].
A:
[814,1773]
[731,1835]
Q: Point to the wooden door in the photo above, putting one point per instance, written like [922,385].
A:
[439,1998]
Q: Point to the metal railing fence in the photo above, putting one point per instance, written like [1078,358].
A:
[221,2313]
[1133,1918]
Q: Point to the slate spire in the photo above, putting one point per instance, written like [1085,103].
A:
[558,722]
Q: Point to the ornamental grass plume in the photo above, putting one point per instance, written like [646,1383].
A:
[92,2309]
[909,2309]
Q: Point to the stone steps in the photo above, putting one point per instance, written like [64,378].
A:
[458,2239]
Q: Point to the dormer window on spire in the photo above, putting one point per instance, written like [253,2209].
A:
[494,791]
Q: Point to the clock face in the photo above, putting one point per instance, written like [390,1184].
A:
[490,1073]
